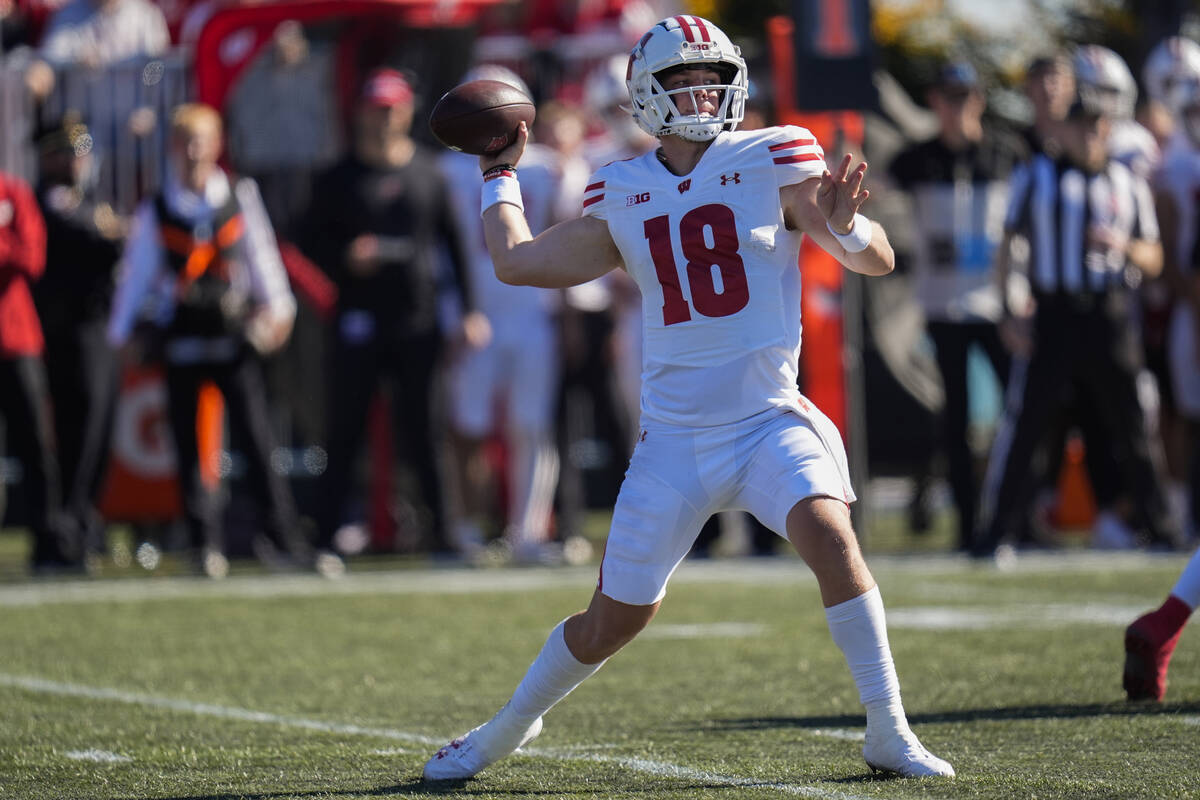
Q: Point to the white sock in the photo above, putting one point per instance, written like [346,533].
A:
[1187,588]
[859,629]
[551,677]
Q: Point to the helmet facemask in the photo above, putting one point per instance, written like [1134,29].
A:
[699,126]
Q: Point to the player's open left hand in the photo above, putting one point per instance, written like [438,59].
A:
[840,194]
[509,155]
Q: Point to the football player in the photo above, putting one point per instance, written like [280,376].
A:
[709,225]
[518,363]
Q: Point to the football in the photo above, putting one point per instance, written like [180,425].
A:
[480,117]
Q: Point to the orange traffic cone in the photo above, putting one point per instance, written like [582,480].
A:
[1075,508]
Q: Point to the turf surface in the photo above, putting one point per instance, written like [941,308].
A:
[273,687]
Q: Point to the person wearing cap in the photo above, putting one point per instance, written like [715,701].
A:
[201,255]
[957,182]
[379,221]
[1090,222]
[74,297]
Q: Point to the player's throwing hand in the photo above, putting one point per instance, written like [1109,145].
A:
[509,155]
[840,195]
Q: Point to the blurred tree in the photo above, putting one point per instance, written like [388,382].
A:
[737,18]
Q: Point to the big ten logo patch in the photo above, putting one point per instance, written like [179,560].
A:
[635,199]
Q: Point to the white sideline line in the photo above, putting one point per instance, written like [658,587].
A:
[99,756]
[1050,615]
[704,630]
[206,709]
[467,580]
[656,768]
[840,733]
[667,770]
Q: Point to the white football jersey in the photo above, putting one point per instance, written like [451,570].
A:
[718,272]
[1179,176]
[540,190]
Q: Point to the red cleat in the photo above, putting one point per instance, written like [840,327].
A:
[1149,642]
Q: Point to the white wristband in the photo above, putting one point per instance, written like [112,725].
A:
[859,236]
[501,189]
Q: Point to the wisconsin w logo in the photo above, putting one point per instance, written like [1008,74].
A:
[735,178]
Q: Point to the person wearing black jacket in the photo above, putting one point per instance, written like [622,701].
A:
[958,185]
[379,221]
[83,244]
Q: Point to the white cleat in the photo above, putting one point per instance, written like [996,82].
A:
[487,744]
[903,754]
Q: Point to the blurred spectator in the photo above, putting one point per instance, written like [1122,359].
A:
[1154,116]
[203,255]
[15,27]
[619,138]
[84,240]
[606,96]
[601,319]
[1088,219]
[958,187]
[560,127]
[1170,75]
[1178,185]
[282,122]
[1105,78]
[1050,87]
[587,402]
[377,224]
[518,369]
[95,34]
[25,400]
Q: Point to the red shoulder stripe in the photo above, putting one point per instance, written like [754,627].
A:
[798,157]
[591,200]
[597,185]
[792,143]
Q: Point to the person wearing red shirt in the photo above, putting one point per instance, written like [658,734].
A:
[25,400]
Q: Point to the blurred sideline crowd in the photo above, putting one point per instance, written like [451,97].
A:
[286,307]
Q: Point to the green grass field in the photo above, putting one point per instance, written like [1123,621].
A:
[273,687]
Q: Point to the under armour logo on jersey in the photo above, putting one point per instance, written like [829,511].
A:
[735,178]
[683,187]
[635,199]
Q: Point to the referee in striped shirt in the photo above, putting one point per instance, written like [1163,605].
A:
[1092,234]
